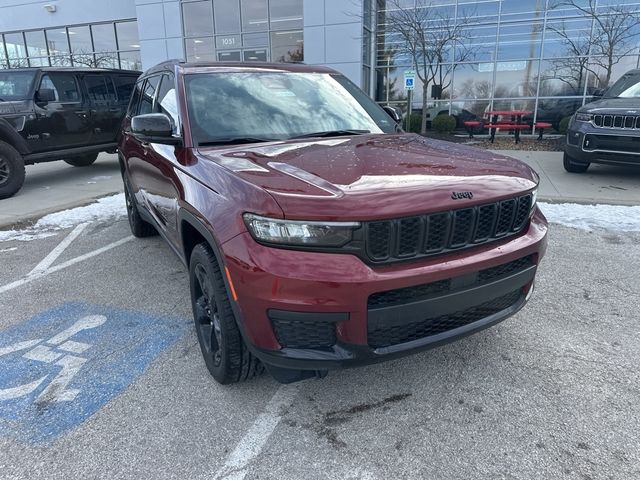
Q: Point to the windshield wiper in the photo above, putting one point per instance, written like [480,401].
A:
[332,133]
[235,141]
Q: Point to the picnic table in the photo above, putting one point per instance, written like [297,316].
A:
[514,123]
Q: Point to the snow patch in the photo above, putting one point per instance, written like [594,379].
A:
[105,209]
[590,217]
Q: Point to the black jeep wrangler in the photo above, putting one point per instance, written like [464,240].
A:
[68,114]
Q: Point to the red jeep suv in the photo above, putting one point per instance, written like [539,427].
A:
[318,235]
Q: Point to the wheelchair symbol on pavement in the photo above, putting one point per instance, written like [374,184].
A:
[60,351]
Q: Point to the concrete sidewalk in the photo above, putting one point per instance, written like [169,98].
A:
[600,184]
[51,187]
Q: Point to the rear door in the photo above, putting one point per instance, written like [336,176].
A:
[103,104]
[65,121]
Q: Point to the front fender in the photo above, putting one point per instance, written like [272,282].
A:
[8,134]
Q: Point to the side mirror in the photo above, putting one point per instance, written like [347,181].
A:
[598,93]
[46,95]
[393,113]
[154,128]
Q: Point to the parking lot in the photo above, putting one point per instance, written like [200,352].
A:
[552,392]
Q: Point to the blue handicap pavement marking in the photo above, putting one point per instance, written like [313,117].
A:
[63,365]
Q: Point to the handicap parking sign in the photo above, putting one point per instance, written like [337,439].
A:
[409,80]
[62,366]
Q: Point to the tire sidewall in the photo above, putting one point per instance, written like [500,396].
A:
[16,170]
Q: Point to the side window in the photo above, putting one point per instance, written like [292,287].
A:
[148,94]
[64,86]
[166,102]
[135,99]
[124,86]
[100,89]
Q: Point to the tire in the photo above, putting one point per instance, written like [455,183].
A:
[82,160]
[226,355]
[11,170]
[572,166]
[139,227]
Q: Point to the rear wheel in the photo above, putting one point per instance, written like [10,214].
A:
[572,166]
[11,170]
[139,227]
[82,160]
[224,351]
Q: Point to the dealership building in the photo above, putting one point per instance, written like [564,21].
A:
[523,53]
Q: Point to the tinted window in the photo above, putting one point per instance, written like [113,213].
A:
[135,99]
[100,89]
[124,86]
[15,85]
[150,87]
[166,101]
[63,85]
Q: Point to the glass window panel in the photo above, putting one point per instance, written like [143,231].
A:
[57,41]
[256,39]
[567,38]
[146,103]
[84,60]
[366,48]
[63,85]
[516,79]
[255,55]
[15,45]
[286,14]
[522,10]
[520,41]
[477,43]
[254,15]
[130,60]
[100,89]
[228,41]
[553,110]
[227,16]
[127,34]
[287,46]
[104,37]
[478,12]
[108,59]
[80,40]
[200,49]
[473,81]
[229,56]
[60,61]
[390,85]
[599,71]
[36,44]
[167,102]
[198,19]
[3,54]
[562,9]
[18,62]
[563,76]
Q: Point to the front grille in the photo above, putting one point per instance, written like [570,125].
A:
[304,334]
[394,335]
[414,237]
[617,121]
[420,292]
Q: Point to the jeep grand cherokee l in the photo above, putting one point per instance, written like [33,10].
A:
[58,113]
[317,234]
[607,130]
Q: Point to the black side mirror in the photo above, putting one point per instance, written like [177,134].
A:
[46,95]
[154,128]
[598,93]
[393,113]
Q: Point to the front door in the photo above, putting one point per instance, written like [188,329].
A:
[62,118]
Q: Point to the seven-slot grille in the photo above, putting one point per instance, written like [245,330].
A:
[406,238]
[617,121]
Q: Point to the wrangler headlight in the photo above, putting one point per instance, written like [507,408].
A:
[299,233]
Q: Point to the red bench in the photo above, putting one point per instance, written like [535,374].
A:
[541,126]
[471,125]
[507,126]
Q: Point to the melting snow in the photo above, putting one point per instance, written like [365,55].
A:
[589,217]
[108,208]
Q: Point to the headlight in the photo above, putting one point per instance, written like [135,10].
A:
[583,117]
[534,200]
[300,233]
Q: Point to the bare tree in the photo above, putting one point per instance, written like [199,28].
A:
[615,34]
[429,36]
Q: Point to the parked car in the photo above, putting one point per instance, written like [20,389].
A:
[65,114]
[607,130]
[317,234]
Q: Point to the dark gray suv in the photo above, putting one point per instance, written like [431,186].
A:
[607,130]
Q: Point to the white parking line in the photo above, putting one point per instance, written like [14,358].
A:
[251,445]
[62,266]
[53,256]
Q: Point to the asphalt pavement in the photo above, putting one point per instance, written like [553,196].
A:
[552,392]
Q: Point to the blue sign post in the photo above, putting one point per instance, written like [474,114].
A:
[62,366]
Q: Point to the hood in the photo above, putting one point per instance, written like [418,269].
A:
[613,105]
[373,176]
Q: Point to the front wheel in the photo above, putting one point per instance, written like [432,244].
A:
[11,170]
[572,166]
[225,353]
[82,160]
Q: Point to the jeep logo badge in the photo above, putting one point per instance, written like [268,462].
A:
[461,195]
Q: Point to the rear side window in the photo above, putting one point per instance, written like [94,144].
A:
[124,86]
[148,94]
[166,101]
[135,98]
[100,89]
[63,85]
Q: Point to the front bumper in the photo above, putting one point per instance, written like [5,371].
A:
[588,144]
[333,295]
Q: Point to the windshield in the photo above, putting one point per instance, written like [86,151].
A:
[277,106]
[15,85]
[627,87]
